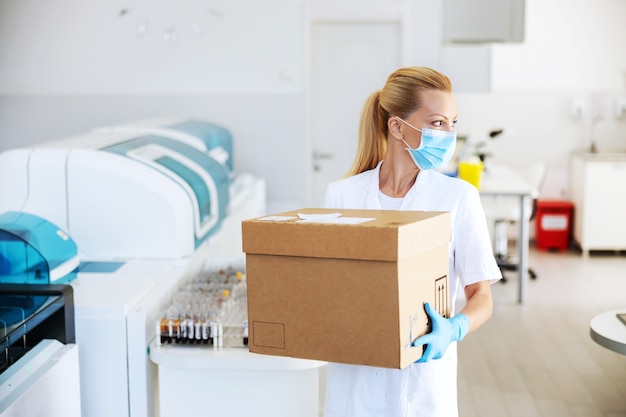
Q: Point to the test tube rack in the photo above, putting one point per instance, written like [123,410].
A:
[210,310]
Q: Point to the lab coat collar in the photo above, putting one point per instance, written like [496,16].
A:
[373,202]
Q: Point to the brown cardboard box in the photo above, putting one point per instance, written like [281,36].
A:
[349,293]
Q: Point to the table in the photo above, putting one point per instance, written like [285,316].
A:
[608,331]
[503,181]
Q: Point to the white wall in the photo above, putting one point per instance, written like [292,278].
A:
[569,45]
[89,47]
[69,65]
[572,50]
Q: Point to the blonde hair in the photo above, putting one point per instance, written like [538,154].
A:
[400,96]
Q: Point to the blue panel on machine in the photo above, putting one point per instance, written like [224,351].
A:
[35,251]
[217,139]
[205,179]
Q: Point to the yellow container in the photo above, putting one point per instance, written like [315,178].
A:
[471,172]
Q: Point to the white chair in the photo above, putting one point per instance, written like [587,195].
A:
[503,211]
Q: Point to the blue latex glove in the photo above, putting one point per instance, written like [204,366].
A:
[444,331]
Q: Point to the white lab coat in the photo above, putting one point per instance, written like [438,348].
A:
[421,389]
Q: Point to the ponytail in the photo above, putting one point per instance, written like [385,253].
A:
[372,143]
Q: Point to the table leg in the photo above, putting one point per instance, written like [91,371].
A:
[522,246]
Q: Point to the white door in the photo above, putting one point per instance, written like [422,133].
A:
[349,61]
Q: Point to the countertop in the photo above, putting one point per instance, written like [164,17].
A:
[601,156]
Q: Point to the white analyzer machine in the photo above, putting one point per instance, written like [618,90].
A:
[147,204]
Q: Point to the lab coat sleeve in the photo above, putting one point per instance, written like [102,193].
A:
[473,254]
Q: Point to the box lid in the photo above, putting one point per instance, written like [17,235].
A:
[385,235]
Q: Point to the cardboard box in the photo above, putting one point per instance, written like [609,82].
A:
[348,289]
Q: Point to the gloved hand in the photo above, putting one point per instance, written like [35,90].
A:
[444,331]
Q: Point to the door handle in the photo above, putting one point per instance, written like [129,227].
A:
[321,155]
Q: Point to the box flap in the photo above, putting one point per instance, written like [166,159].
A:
[387,235]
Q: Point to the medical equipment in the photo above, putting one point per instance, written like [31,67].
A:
[212,139]
[35,251]
[146,210]
[101,187]
[210,310]
[37,331]
[39,365]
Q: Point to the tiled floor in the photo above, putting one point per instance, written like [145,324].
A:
[537,359]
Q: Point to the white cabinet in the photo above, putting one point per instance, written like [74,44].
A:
[597,188]
[483,21]
[469,28]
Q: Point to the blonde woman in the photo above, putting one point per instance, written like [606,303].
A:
[406,131]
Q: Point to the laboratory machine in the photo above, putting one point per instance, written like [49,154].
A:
[215,140]
[39,365]
[147,208]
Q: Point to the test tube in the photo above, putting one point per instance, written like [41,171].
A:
[198,329]
[162,330]
[176,327]
[183,330]
[220,335]
[190,329]
[205,330]
[213,333]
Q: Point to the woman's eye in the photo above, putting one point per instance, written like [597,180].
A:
[437,123]
[454,123]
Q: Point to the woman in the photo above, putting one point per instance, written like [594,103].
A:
[407,130]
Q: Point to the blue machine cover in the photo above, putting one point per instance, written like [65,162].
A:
[212,201]
[35,251]
[212,135]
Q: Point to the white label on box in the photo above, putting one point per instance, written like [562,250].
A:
[553,222]
[339,220]
[321,216]
[278,218]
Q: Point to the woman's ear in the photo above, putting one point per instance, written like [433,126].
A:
[395,128]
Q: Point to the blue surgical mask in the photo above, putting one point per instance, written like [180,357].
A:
[436,147]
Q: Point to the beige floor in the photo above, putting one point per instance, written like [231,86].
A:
[536,359]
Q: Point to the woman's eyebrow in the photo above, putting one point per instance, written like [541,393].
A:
[443,116]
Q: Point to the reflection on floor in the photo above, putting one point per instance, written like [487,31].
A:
[536,359]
